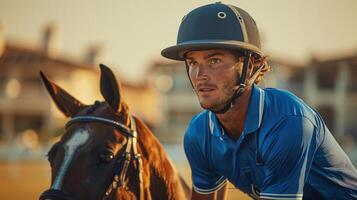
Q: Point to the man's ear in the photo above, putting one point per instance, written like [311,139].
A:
[110,88]
[65,102]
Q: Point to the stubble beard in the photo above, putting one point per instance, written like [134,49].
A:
[220,102]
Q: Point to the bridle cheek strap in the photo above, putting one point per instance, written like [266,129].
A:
[131,152]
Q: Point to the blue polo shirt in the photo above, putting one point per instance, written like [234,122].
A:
[284,152]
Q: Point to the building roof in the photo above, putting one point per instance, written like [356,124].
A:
[21,54]
[349,57]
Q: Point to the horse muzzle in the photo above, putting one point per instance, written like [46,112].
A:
[53,194]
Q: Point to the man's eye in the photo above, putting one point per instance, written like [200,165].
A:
[214,61]
[192,63]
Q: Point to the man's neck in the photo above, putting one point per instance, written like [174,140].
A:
[233,120]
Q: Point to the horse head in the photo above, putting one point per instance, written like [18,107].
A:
[100,156]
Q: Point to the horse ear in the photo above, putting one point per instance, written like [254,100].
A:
[67,104]
[110,88]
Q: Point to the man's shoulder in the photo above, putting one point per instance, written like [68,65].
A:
[282,103]
[282,95]
[285,112]
[199,119]
[198,123]
[196,131]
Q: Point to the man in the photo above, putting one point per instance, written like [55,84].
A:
[267,142]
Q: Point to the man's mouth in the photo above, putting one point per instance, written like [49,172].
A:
[205,89]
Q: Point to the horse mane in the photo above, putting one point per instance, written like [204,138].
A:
[159,162]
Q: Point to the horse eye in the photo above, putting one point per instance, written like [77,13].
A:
[106,156]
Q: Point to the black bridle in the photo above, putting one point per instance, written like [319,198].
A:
[131,153]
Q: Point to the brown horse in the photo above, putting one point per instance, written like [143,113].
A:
[105,153]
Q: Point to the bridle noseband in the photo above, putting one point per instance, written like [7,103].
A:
[131,153]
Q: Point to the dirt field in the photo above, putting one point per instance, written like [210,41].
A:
[23,180]
[26,180]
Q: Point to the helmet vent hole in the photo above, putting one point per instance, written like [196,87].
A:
[221,15]
[240,18]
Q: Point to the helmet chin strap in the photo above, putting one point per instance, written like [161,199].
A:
[242,82]
[239,88]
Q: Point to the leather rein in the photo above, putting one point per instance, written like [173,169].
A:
[131,152]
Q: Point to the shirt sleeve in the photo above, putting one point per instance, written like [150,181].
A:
[204,179]
[287,152]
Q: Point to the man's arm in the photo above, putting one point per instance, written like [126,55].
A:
[206,182]
[220,194]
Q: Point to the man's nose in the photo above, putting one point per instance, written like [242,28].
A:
[201,72]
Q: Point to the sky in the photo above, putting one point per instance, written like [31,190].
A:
[133,33]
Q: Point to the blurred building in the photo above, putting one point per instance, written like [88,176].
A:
[27,114]
[178,103]
[329,86]
[143,101]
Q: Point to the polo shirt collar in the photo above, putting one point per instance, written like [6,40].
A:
[254,115]
[255,110]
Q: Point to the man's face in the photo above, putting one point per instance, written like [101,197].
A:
[213,74]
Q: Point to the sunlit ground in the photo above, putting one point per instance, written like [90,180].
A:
[21,180]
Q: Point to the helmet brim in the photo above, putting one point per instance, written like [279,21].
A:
[178,52]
